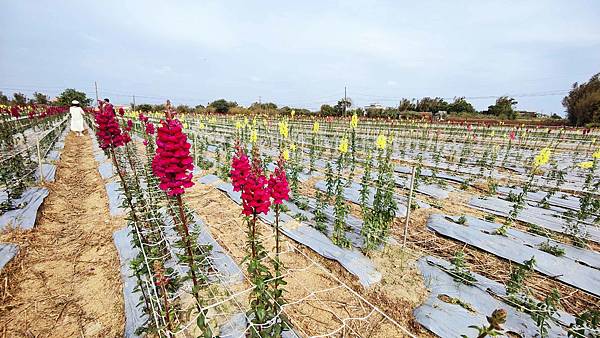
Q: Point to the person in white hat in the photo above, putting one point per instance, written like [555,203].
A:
[76,118]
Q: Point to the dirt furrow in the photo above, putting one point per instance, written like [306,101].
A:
[67,281]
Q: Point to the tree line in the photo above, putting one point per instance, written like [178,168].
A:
[582,105]
[64,99]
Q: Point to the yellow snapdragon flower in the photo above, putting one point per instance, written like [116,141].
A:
[283,129]
[253,136]
[381,141]
[586,165]
[542,158]
[343,147]
[316,127]
[285,154]
[596,155]
[354,121]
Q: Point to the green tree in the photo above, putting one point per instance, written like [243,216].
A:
[183,109]
[3,98]
[69,94]
[406,105]
[583,102]
[343,105]
[144,107]
[40,98]
[432,104]
[503,108]
[327,110]
[222,106]
[460,105]
[19,99]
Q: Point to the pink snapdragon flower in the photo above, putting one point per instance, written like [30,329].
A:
[240,170]
[172,163]
[108,130]
[150,128]
[278,184]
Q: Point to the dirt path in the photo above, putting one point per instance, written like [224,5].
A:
[67,282]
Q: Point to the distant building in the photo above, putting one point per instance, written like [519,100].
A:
[529,114]
[440,115]
[374,106]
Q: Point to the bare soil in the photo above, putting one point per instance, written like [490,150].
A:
[319,302]
[66,282]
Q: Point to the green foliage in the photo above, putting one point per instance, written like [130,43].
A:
[3,99]
[586,324]
[504,108]
[319,213]
[516,284]
[365,184]
[460,105]
[144,107]
[222,106]
[39,98]
[327,110]
[460,271]
[432,104]
[261,308]
[19,99]
[377,222]
[69,94]
[495,321]
[341,209]
[329,180]
[583,102]
[552,249]
[541,312]
[406,105]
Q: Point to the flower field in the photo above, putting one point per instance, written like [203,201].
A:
[295,226]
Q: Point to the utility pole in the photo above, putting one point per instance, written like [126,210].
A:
[133,108]
[96,87]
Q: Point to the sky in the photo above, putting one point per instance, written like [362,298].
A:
[302,53]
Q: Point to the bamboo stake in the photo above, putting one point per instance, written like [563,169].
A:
[410,195]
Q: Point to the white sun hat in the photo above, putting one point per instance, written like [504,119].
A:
[74,102]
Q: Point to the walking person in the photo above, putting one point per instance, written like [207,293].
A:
[76,118]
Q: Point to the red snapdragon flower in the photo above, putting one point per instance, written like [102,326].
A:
[255,194]
[240,170]
[15,111]
[511,135]
[253,184]
[172,163]
[108,130]
[150,128]
[108,108]
[129,125]
[143,118]
[126,138]
[278,185]
[121,111]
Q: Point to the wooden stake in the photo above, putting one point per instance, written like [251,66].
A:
[39,155]
[410,195]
